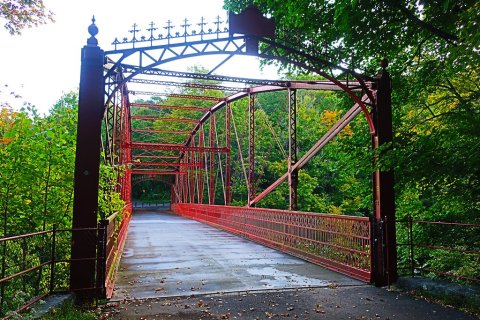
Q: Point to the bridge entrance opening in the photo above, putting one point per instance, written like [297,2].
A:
[161,119]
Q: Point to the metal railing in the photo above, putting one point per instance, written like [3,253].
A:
[149,204]
[35,265]
[449,250]
[116,232]
[341,243]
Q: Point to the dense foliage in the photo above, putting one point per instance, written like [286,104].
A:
[433,48]
[36,193]
[20,14]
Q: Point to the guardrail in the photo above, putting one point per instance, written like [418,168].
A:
[116,232]
[149,205]
[444,249]
[35,265]
[341,243]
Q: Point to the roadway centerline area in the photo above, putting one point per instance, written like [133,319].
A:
[167,255]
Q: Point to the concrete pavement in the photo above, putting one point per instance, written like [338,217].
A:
[178,269]
[167,255]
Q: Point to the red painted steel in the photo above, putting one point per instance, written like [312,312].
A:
[155,157]
[177,147]
[116,236]
[174,95]
[162,106]
[340,243]
[157,172]
[160,131]
[166,164]
[153,118]
[331,133]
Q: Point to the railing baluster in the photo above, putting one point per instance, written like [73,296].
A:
[53,258]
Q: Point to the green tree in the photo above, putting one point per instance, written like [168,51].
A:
[21,14]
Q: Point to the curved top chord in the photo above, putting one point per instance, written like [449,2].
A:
[181,32]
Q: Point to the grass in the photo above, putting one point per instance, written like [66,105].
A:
[68,311]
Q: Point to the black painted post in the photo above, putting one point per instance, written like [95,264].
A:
[87,162]
[383,187]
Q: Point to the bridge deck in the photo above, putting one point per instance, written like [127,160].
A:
[167,255]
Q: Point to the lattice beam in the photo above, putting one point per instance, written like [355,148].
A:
[162,106]
[175,147]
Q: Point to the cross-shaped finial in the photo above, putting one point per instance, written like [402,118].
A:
[185,25]
[169,27]
[134,32]
[218,22]
[151,29]
[202,25]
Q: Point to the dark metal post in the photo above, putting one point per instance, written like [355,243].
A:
[251,148]
[410,238]
[87,163]
[53,258]
[292,150]
[101,258]
[383,187]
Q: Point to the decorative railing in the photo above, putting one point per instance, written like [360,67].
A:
[184,31]
[341,243]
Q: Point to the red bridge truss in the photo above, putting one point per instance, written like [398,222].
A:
[152,128]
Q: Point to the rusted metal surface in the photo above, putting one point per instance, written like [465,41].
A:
[176,147]
[383,186]
[327,137]
[154,118]
[423,252]
[37,264]
[162,106]
[251,22]
[116,236]
[156,172]
[87,161]
[292,150]
[251,149]
[340,243]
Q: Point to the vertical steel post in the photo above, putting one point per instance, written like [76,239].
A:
[211,184]
[411,244]
[251,148]
[53,258]
[383,187]
[201,143]
[292,150]
[191,171]
[172,195]
[101,258]
[87,163]
[228,142]
[126,147]
[186,177]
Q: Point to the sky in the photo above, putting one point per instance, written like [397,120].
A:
[44,62]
